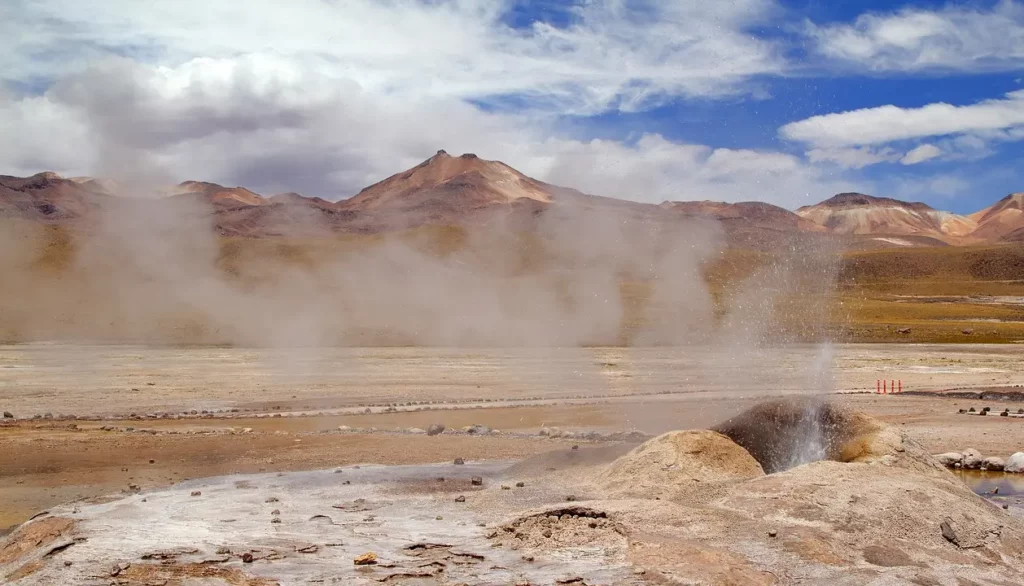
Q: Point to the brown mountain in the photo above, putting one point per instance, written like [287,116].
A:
[1003,221]
[218,195]
[447,190]
[48,197]
[860,214]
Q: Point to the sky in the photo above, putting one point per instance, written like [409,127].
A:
[783,101]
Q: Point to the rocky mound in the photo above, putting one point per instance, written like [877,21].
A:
[786,433]
[677,464]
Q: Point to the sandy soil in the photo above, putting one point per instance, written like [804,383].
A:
[45,462]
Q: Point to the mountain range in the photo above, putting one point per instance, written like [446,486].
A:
[447,190]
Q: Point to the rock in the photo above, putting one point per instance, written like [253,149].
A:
[460,499]
[506,487]
[967,332]
[344,428]
[416,431]
[972,459]
[476,481]
[275,512]
[902,330]
[570,498]
[477,429]
[196,493]
[276,520]
[949,459]
[520,484]
[1015,463]
[247,558]
[948,532]
[993,463]
[272,499]
[8,415]
[459,462]
[367,559]
[772,533]
[435,429]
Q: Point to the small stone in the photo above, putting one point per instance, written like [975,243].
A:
[67,563]
[575,447]
[506,487]
[772,533]
[435,429]
[570,498]
[272,499]
[1005,506]
[460,499]
[275,512]
[196,493]
[367,559]
[223,550]
[8,415]
[439,518]
[527,558]
[247,558]
[476,481]
[276,520]
[115,570]
[639,571]
[948,532]
[520,484]
[546,533]
[459,462]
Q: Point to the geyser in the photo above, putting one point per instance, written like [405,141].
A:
[787,433]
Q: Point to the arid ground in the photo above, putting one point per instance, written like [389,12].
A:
[151,417]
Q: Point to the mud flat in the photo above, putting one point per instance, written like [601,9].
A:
[686,507]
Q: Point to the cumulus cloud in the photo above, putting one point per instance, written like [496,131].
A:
[921,154]
[994,118]
[955,38]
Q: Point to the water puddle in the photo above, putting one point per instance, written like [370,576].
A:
[998,487]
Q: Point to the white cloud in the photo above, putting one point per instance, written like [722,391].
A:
[997,118]
[957,37]
[273,126]
[852,158]
[611,55]
[921,154]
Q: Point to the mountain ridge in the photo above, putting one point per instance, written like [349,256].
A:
[446,189]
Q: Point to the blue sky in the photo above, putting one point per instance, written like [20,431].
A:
[782,101]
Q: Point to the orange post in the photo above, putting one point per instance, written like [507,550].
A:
[901,385]
[878,386]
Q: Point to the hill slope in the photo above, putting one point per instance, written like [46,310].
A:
[860,214]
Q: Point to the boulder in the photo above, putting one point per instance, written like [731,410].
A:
[993,463]
[1015,463]
[972,459]
[435,429]
[8,415]
[949,459]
